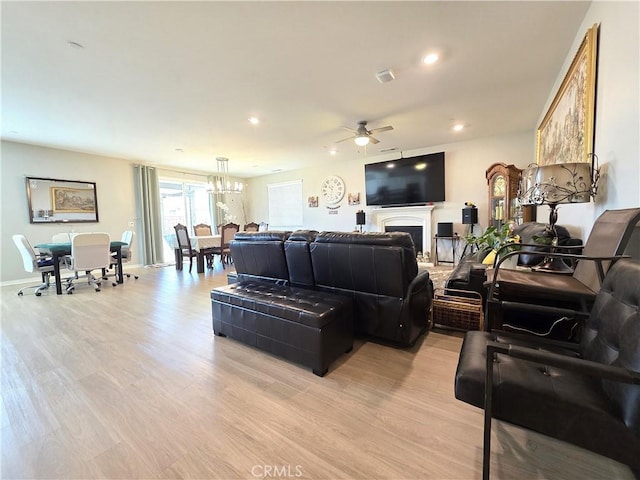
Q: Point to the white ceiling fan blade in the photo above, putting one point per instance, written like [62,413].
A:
[381,129]
[345,139]
[373,140]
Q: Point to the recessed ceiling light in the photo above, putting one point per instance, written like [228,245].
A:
[254,120]
[430,59]
[333,151]
[458,127]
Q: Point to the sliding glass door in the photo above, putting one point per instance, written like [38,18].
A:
[188,203]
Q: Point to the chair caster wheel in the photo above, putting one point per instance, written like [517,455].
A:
[38,294]
[136,277]
[97,289]
[20,294]
[114,284]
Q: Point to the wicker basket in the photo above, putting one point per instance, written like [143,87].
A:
[459,309]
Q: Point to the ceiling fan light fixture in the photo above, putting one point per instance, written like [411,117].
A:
[362,140]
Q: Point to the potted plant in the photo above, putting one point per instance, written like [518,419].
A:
[494,239]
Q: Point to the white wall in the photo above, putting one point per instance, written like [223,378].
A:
[115,190]
[617,126]
[465,167]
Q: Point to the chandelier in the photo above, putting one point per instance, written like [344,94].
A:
[222,184]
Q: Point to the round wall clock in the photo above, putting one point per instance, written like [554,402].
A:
[332,189]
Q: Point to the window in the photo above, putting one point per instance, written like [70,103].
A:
[285,205]
[185,203]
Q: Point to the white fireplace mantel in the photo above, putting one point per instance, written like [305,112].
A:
[406,216]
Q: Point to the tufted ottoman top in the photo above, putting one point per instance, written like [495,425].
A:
[308,307]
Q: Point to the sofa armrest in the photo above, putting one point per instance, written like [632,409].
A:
[565,362]
[573,258]
[420,283]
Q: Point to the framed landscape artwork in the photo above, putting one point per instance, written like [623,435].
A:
[53,200]
[73,200]
[567,131]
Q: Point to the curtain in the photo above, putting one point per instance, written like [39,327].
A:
[149,211]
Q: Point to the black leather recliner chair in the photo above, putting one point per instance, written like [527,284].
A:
[586,394]
[380,272]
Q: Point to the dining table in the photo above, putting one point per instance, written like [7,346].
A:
[202,244]
[59,250]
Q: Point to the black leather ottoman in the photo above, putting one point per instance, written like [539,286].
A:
[309,327]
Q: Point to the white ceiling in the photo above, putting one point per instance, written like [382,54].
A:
[154,77]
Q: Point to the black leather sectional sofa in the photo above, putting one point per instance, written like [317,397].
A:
[305,295]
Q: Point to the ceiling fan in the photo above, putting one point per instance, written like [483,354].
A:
[362,136]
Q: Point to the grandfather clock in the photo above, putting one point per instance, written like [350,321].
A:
[503,191]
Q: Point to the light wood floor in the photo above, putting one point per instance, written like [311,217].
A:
[131,383]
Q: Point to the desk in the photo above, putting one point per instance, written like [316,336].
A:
[59,250]
[201,244]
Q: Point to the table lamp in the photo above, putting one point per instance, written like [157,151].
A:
[553,185]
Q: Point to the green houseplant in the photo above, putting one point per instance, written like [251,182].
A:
[495,239]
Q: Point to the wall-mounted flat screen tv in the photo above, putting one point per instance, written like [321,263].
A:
[406,181]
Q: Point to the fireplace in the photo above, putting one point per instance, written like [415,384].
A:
[403,217]
[415,232]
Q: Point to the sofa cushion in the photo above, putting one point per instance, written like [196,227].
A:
[387,239]
[260,255]
[296,250]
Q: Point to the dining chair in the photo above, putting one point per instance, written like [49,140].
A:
[184,246]
[227,233]
[251,227]
[89,251]
[202,229]
[33,263]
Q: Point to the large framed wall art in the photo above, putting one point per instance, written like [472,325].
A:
[61,201]
[566,134]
